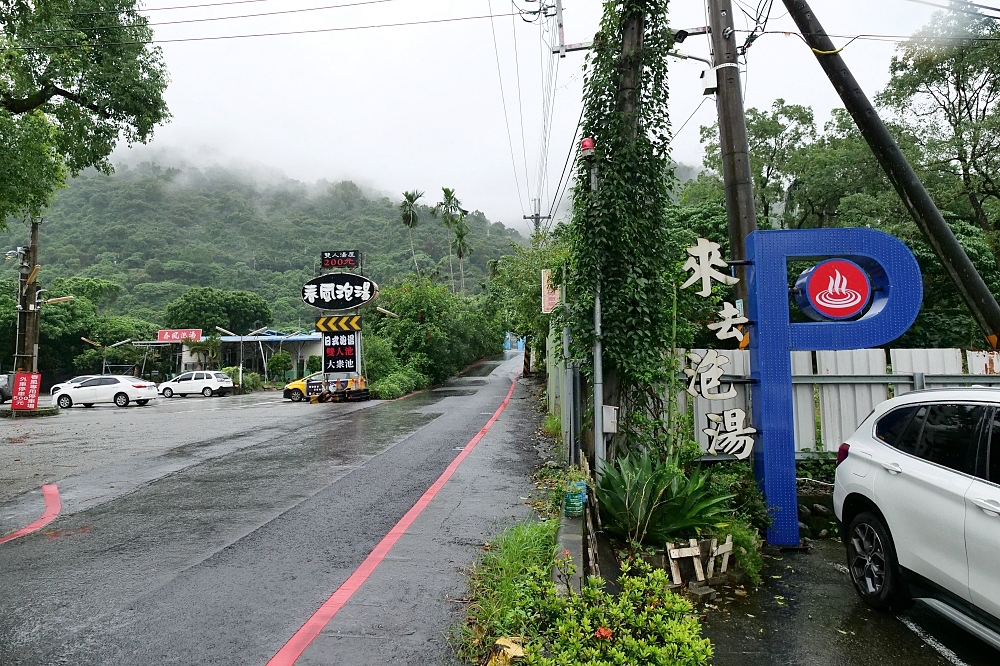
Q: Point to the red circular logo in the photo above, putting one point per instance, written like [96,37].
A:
[837,288]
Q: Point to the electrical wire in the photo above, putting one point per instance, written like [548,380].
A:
[163,9]
[259,34]
[952,8]
[503,99]
[560,185]
[228,18]
[520,106]
[685,123]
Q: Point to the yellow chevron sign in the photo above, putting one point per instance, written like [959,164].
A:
[338,324]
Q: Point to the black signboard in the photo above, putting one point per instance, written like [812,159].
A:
[340,352]
[341,259]
[339,291]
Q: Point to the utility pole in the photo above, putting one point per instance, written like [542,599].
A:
[26,348]
[537,217]
[737,177]
[918,202]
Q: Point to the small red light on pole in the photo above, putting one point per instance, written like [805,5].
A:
[587,147]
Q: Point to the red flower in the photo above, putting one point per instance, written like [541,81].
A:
[602,633]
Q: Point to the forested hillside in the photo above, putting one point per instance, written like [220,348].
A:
[158,231]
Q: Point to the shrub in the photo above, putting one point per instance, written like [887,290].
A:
[251,380]
[279,364]
[399,383]
[645,624]
[314,364]
[644,500]
[737,478]
[380,361]
[746,548]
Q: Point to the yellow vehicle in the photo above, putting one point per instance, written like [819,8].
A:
[311,386]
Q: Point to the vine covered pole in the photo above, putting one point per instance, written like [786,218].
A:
[737,178]
[918,202]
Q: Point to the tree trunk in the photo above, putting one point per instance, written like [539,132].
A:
[451,268]
[526,368]
[413,252]
[461,272]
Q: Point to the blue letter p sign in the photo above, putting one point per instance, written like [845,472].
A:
[858,267]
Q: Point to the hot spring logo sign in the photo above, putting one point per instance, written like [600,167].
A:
[866,294]
[339,291]
[833,289]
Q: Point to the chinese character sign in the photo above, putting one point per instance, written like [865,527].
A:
[340,352]
[24,393]
[341,259]
[550,295]
[727,432]
[178,334]
[339,291]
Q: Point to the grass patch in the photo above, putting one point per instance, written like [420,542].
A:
[552,425]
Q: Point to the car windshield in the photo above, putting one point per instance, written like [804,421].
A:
[81,378]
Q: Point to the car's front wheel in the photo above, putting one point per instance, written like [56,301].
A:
[64,401]
[168,393]
[296,395]
[121,400]
[871,559]
[207,392]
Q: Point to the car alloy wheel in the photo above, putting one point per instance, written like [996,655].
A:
[207,392]
[868,563]
[167,393]
[65,402]
[296,395]
[121,400]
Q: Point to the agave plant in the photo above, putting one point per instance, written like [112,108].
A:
[644,500]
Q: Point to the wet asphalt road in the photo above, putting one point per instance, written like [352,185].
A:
[215,551]
[807,614]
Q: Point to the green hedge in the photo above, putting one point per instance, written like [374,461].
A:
[398,383]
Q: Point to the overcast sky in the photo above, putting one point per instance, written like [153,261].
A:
[419,106]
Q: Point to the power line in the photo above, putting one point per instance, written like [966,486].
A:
[952,8]
[520,107]
[258,34]
[503,99]
[571,153]
[684,124]
[225,18]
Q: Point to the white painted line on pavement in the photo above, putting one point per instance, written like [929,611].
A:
[933,642]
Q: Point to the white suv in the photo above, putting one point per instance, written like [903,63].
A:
[918,498]
[207,383]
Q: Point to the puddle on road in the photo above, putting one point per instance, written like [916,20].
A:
[481,370]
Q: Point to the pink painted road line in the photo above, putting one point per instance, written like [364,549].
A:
[53,505]
[298,643]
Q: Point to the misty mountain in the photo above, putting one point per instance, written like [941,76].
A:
[158,231]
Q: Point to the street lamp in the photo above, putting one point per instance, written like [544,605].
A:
[104,349]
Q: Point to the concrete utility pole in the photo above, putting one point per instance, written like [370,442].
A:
[737,177]
[26,348]
[537,217]
[918,202]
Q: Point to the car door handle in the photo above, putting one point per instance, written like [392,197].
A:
[990,507]
[891,467]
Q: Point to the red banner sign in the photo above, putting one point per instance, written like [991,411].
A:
[24,394]
[178,334]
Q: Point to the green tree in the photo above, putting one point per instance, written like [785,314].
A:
[461,247]
[408,213]
[450,209]
[76,76]
[206,350]
[947,90]
[773,136]
[314,364]
[279,365]
[206,308]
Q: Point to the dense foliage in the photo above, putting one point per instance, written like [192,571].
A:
[437,333]
[76,76]
[512,594]
[156,232]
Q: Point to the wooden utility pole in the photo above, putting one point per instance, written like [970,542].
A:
[26,349]
[536,218]
[970,284]
[737,177]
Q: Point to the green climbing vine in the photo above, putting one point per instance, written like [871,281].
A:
[618,235]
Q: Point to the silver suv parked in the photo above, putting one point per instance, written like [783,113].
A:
[918,497]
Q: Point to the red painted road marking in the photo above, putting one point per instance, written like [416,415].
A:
[53,505]
[298,643]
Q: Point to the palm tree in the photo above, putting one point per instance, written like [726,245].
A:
[450,209]
[206,350]
[461,246]
[408,211]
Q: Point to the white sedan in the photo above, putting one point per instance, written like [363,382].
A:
[207,383]
[69,382]
[116,389]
